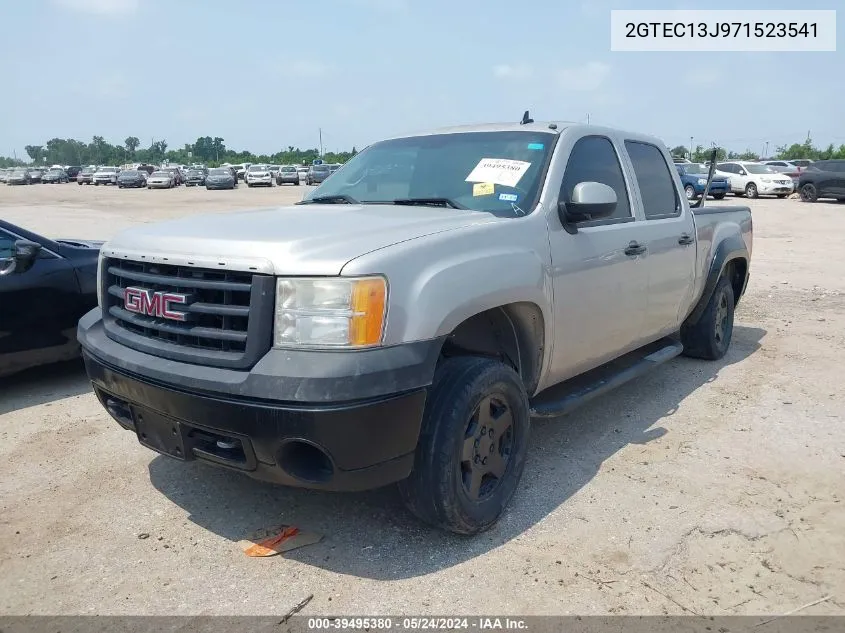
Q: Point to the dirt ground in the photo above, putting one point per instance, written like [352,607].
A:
[707,488]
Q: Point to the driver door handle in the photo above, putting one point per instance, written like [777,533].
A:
[685,239]
[635,248]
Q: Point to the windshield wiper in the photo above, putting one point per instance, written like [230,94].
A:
[340,198]
[435,202]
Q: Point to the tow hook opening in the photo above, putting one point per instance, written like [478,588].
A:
[119,410]
[305,461]
[225,449]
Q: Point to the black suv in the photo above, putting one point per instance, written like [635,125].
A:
[823,179]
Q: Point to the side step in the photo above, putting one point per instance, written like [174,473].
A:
[561,399]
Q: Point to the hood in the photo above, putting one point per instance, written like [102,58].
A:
[299,240]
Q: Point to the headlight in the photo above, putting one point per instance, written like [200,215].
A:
[330,312]
[702,181]
[764,179]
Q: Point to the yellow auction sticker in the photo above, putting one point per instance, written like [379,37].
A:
[483,189]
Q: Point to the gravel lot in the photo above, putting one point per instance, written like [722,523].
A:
[709,488]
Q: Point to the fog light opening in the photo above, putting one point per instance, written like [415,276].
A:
[306,462]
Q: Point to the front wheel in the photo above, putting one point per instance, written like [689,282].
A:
[751,190]
[689,190]
[710,337]
[782,195]
[809,193]
[472,446]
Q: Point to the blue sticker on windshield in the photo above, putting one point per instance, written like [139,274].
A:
[535,146]
[508,197]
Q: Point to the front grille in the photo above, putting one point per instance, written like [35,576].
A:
[228,317]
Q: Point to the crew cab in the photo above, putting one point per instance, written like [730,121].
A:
[45,287]
[407,318]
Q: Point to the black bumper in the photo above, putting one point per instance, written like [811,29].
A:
[323,420]
[344,447]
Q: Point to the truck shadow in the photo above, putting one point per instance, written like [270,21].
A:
[371,535]
[42,385]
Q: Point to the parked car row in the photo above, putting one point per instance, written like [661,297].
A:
[751,179]
[167,177]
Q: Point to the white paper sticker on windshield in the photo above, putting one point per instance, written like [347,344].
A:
[500,171]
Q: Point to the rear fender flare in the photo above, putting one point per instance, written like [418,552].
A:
[729,249]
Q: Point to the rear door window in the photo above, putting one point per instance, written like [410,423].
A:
[657,188]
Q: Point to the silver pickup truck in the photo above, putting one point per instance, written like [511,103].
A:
[406,319]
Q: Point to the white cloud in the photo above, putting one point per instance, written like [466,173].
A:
[584,78]
[305,68]
[100,7]
[507,71]
[112,87]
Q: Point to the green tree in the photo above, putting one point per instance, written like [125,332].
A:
[34,152]
[680,151]
[131,143]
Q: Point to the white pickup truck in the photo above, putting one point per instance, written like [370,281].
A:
[406,320]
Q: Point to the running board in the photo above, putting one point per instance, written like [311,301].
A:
[563,398]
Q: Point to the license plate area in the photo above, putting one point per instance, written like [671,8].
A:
[160,433]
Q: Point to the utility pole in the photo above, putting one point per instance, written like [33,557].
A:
[690,148]
[321,142]
[766,153]
[588,118]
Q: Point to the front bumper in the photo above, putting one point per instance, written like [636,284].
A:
[321,420]
[775,188]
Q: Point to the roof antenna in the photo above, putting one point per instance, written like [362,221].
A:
[526,119]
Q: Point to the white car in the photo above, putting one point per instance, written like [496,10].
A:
[160,180]
[259,175]
[105,176]
[241,170]
[754,179]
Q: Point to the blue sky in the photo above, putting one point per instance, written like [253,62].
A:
[265,74]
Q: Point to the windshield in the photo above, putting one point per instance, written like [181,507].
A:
[56,171]
[258,168]
[288,169]
[694,169]
[108,169]
[489,171]
[161,174]
[219,172]
[760,169]
[320,168]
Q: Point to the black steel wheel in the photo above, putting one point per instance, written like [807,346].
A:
[472,446]
[710,337]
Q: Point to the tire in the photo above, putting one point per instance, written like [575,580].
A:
[79,183]
[710,338]
[689,190]
[751,190]
[782,195]
[96,184]
[809,193]
[719,196]
[249,184]
[438,490]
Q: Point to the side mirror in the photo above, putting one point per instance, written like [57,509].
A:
[23,258]
[742,172]
[590,201]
